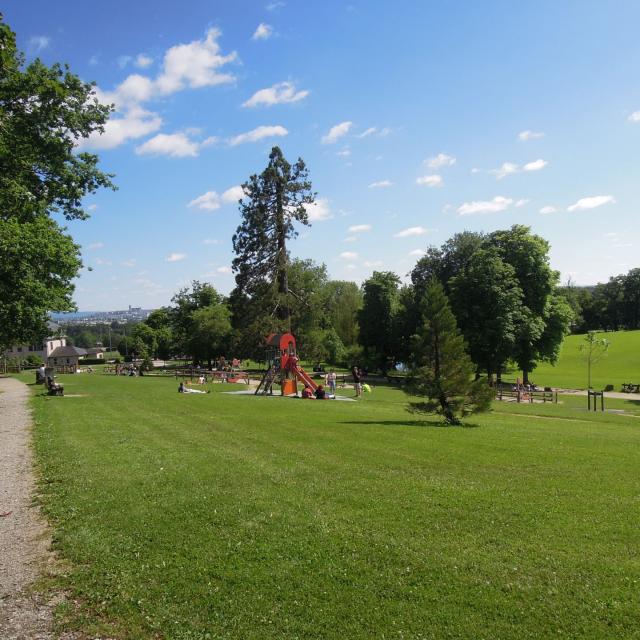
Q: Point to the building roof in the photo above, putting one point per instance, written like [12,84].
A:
[67,352]
[93,350]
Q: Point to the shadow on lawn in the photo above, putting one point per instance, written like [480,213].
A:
[425,424]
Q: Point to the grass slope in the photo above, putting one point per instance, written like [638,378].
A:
[621,364]
[221,516]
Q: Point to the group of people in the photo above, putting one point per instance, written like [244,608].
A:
[319,394]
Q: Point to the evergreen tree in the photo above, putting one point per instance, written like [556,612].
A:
[441,371]
[274,201]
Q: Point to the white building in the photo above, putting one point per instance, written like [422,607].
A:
[42,350]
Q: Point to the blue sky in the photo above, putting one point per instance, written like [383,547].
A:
[416,119]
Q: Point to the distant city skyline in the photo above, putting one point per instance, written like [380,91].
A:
[416,121]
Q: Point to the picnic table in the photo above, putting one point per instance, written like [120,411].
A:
[630,387]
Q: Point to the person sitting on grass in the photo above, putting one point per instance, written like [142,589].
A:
[321,394]
[307,393]
[183,388]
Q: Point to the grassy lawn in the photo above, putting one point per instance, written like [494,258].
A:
[221,516]
[621,364]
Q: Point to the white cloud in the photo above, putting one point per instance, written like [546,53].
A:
[381,184]
[521,202]
[499,203]
[209,241]
[175,257]
[381,133]
[38,43]
[273,6]
[348,255]
[430,181]
[530,135]
[336,132]
[635,117]
[509,168]
[281,93]
[194,65]
[536,165]
[175,145]
[209,201]
[372,264]
[263,32]
[506,169]
[344,153]
[106,263]
[143,61]
[359,228]
[130,263]
[224,270]
[233,194]
[258,134]
[319,210]
[591,202]
[410,232]
[96,245]
[351,239]
[368,132]
[417,252]
[92,207]
[135,123]
[548,209]
[441,160]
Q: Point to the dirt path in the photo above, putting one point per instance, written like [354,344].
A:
[24,540]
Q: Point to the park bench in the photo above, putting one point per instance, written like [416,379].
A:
[53,388]
[629,387]
[548,395]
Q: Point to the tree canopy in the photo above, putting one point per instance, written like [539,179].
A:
[44,112]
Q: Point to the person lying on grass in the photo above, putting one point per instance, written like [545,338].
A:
[183,388]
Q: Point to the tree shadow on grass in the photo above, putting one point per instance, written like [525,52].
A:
[423,424]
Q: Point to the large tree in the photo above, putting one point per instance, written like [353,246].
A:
[487,301]
[528,254]
[273,202]
[441,372]
[378,319]
[44,113]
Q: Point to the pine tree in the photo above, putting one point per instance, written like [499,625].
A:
[441,370]
[273,202]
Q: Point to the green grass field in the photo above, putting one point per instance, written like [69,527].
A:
[620,365]
[222,516]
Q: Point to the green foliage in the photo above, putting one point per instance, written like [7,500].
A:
[343,301]
[488,302]
[44,113]
[378,320]
[38,262]
[441,371]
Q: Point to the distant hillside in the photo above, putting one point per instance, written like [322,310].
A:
[621,364]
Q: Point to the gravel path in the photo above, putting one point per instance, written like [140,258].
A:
[24,540]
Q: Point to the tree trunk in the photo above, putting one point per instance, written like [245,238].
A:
[281,275]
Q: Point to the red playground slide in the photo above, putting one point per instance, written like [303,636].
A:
[305,378]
